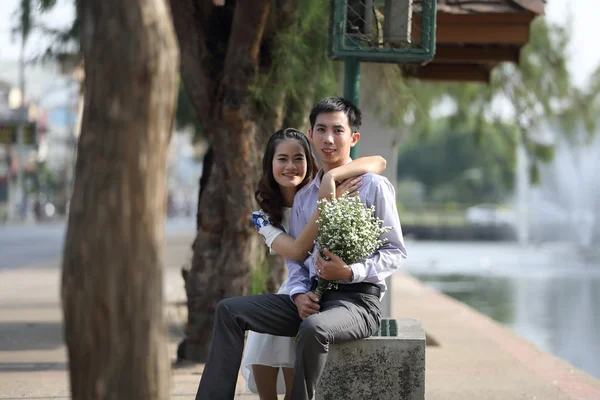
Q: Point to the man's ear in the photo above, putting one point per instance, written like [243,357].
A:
[310,134]
[355,138]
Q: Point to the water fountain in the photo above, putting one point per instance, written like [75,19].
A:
[565,206]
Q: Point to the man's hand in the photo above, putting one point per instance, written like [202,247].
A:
[333,270]
[307,303]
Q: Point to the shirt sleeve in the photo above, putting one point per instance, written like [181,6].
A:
[265,228]
[387,258]
[298,273]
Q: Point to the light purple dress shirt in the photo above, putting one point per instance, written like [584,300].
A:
[376,191]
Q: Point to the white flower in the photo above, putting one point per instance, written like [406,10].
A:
[348,229]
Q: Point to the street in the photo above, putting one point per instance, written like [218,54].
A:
[36,244]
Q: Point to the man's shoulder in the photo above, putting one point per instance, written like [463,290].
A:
[375,179]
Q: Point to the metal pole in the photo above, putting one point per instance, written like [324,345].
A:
[18,197]
[351,92]
[352,88]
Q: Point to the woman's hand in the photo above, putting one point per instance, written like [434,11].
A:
[329,188]
[350,186]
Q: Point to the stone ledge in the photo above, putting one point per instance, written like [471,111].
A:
[389,365]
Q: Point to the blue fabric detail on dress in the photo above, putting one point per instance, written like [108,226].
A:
[260,220]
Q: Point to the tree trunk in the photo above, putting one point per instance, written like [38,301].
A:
[225,246]
[223,52]
[112,268]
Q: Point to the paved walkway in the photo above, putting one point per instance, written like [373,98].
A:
[33,359]
[475,358]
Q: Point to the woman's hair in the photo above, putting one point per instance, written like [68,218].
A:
[268,195]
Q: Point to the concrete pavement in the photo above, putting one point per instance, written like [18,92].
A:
[33,359]
[475,359]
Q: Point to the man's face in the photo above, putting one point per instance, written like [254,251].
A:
[333,138]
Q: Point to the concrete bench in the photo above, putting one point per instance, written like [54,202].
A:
[388,365]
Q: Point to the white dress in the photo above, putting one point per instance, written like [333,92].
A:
[274,351]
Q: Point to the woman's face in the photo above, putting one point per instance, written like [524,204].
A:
[289,163]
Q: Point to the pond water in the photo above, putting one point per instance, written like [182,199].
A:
[548,294]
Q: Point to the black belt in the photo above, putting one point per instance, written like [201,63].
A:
[363,287]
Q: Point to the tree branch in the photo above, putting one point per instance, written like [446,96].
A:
[189,19]
[241,62]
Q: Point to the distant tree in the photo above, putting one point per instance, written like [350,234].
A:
[453,167]
[538,87]
[537,91]
[25,14]
[65,44]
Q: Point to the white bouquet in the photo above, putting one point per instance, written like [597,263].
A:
[348,229]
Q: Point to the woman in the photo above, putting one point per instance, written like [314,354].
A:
[288,165]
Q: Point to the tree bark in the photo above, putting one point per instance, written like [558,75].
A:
[112,267]
[221,45]
[223,52]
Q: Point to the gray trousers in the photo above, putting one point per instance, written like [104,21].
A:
[343,317]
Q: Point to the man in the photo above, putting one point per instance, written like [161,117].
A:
[350,312]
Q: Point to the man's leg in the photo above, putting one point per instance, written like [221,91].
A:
[269,313]
[343,317]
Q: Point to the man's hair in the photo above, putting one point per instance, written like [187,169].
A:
[333,104]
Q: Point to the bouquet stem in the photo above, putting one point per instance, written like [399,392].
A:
[323,285]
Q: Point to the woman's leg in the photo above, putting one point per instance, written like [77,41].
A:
[265,378]
[288,376]
[267,313]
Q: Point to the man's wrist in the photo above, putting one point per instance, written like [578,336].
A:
[294,296]
[358,272]
[351,278]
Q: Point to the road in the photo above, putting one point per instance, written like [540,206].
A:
[34,244]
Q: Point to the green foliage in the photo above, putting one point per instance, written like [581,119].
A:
[543,152]
[402,103]
[65,43]
[586,106]
[185,115]
[453,167]
[259,275]
[539,88]
[300,66]
[472,157]
[534,173]
[25,14]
